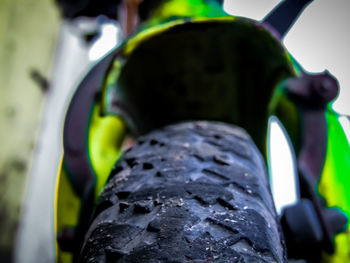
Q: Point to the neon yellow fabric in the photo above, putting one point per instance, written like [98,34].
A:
[106,137]
[334,184]
[67,211]
[185,8]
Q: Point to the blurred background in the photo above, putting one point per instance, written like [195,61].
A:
[43,57]
[28,40]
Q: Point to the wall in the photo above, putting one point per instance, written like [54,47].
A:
[28,30]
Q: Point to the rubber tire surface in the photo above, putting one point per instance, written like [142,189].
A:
[191,192]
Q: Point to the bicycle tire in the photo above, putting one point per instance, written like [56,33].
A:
[189,192]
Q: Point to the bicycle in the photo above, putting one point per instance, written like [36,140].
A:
[196,206]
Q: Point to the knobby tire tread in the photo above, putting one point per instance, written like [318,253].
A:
[190,192]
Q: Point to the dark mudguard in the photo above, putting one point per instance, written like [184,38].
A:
[192,192]
[225,70]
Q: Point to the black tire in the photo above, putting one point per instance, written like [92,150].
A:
[192,192]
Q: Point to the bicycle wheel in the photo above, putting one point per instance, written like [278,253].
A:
[190,192]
